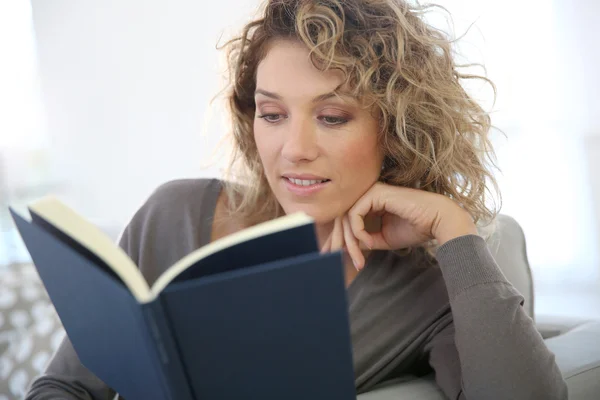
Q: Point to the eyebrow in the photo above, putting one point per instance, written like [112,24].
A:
[321,97]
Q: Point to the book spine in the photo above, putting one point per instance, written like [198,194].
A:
[176,379]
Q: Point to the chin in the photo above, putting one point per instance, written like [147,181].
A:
[320,215]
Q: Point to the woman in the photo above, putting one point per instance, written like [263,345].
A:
[352,112]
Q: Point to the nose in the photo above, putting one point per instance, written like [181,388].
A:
[300,141]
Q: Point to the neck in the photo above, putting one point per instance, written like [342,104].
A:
[323,231]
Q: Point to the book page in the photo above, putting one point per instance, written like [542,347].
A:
[86,233]
[263,229]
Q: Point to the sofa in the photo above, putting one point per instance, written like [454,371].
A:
[30,331]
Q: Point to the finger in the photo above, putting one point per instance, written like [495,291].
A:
[372,202]
[352,244]
[337,236]
[356,219]
[379,242]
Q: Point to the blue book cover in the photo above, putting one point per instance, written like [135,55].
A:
[256,314]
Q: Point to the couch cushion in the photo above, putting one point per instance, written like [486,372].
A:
[30,330]
[406,387]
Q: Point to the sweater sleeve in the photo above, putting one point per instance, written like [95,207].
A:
[492,350]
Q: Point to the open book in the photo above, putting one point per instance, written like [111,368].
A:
[260,311]
[53,211]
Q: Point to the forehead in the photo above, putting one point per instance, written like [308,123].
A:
[287,67]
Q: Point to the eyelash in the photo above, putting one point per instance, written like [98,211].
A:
[341,120]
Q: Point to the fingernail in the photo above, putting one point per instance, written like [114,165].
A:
[355,264]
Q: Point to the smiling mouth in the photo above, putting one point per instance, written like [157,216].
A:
[306,182]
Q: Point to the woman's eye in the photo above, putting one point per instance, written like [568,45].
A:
[330,120]
[270,117]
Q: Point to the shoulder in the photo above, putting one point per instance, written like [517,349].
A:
[182,194]
[175,219]
[174,201]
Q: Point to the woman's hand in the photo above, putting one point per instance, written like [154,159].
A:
[409,217]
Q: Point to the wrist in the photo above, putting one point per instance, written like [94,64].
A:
[457,223]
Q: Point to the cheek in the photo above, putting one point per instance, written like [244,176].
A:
[361,157]
[264,145]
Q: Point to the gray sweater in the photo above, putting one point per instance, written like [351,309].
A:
[457,316]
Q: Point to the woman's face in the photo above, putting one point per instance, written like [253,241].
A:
[320,152]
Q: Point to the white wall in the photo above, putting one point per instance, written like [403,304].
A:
[126,86]
[542,56]
[579,61]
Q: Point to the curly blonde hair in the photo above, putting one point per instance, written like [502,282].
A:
[434,134]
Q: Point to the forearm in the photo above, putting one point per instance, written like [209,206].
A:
[52,387]
[501,353]
[66,378]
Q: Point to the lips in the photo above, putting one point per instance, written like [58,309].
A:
[306,182]
[304,176]
[305,187]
